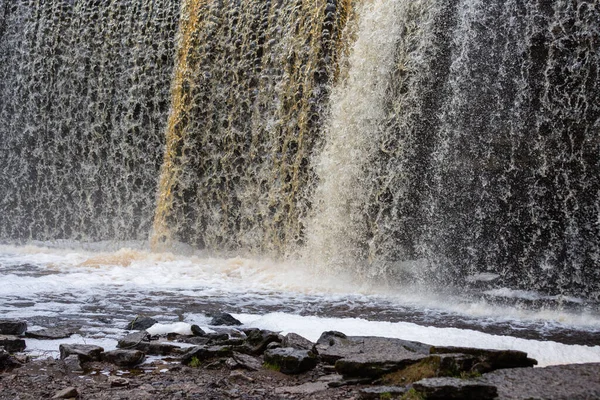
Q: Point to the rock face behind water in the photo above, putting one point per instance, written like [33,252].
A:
[12,327]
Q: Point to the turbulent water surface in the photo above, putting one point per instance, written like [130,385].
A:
[99,291]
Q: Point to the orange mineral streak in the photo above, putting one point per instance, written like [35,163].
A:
[161,237]
[250,91]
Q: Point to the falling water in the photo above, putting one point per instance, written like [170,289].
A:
[84,89]
[437,141]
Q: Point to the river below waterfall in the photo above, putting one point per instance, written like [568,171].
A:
[99,289]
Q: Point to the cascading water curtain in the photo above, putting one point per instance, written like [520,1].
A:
[84,99]
[465,141]
[252,81]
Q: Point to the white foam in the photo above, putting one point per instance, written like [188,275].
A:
[181,328]
[546,353]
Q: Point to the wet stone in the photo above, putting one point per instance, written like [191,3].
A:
[85,352]
[12,327]
[204,353]
[197,331]
[291,361]
[224,319]
[296,341]
[490,360]
[239,360]
[124,358]
[73,364]
[454,388]
[12,344]
[140,324]
[50,333]
[333,346]
[6,361]
[257,340]
[374,365]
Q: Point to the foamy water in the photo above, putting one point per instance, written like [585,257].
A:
[101,290]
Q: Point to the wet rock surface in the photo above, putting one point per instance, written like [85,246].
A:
[454,388]
[224,319]
[51,333]
[124,358]
[140,323]
[12,327]
[291,361]
[85,352]
[12,344]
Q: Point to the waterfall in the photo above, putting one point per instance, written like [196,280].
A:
[84,89]
[433,141]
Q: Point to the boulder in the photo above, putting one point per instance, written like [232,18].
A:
[333,346]
[490,360]
[244,361]
[85,352]
[454,388]
[50,333]
[376,364]
[224,319]
[197,331]
[257,340]
[124,358]
[381,392]
[6,361]
[73,364]
[141,341]
[296,341]
[67,393]
[140,323]
[205,353]
[291,361]
[12,344]
[12,327]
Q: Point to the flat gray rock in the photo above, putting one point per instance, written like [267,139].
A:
[558,382]
[12,327]
[455,388]
[50,333]
[333,346]
[85,352]
[376,364]
[490,360]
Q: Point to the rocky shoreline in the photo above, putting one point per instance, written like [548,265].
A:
[231,361]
